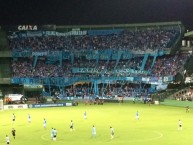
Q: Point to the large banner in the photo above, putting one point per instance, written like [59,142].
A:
[65,81]
[70,33]
[105,32]
[28,52]
[50,105]
[33,87]
[117,71]
[46,33]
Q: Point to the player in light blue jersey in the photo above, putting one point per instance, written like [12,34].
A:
[52,133]
[29,118]
[85,115]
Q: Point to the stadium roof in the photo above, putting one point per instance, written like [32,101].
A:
[189,34]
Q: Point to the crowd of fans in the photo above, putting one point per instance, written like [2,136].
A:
[163,66]
[142,39]
[169,65]
[133,40]
[24,68]
[118,89]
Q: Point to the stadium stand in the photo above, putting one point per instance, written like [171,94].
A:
[106,61]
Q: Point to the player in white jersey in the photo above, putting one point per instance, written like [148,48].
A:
[179,125]
[93,131]
[7,140]
[44,123]
[137,115]
[112,132]
[55,134]
[71,126]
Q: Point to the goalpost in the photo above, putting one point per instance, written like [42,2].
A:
[1,104]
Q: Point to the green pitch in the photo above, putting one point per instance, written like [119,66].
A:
[158,125]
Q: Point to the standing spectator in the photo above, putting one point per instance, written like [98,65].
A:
[133,100]
[187,109]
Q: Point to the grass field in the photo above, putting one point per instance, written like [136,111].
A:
[158,125]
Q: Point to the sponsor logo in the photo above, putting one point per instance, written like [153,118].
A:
[20,106]
[68,104]
[10,107]
[28,27]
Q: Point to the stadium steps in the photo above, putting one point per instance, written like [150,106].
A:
[172,96]
[3,41]
[189,66]
[5,69]
[177,103]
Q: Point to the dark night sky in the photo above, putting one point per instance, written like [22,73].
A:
[75,12]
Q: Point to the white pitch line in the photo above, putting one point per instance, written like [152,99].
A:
[43,137]
[157,137]
[46,139]
[160,135]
